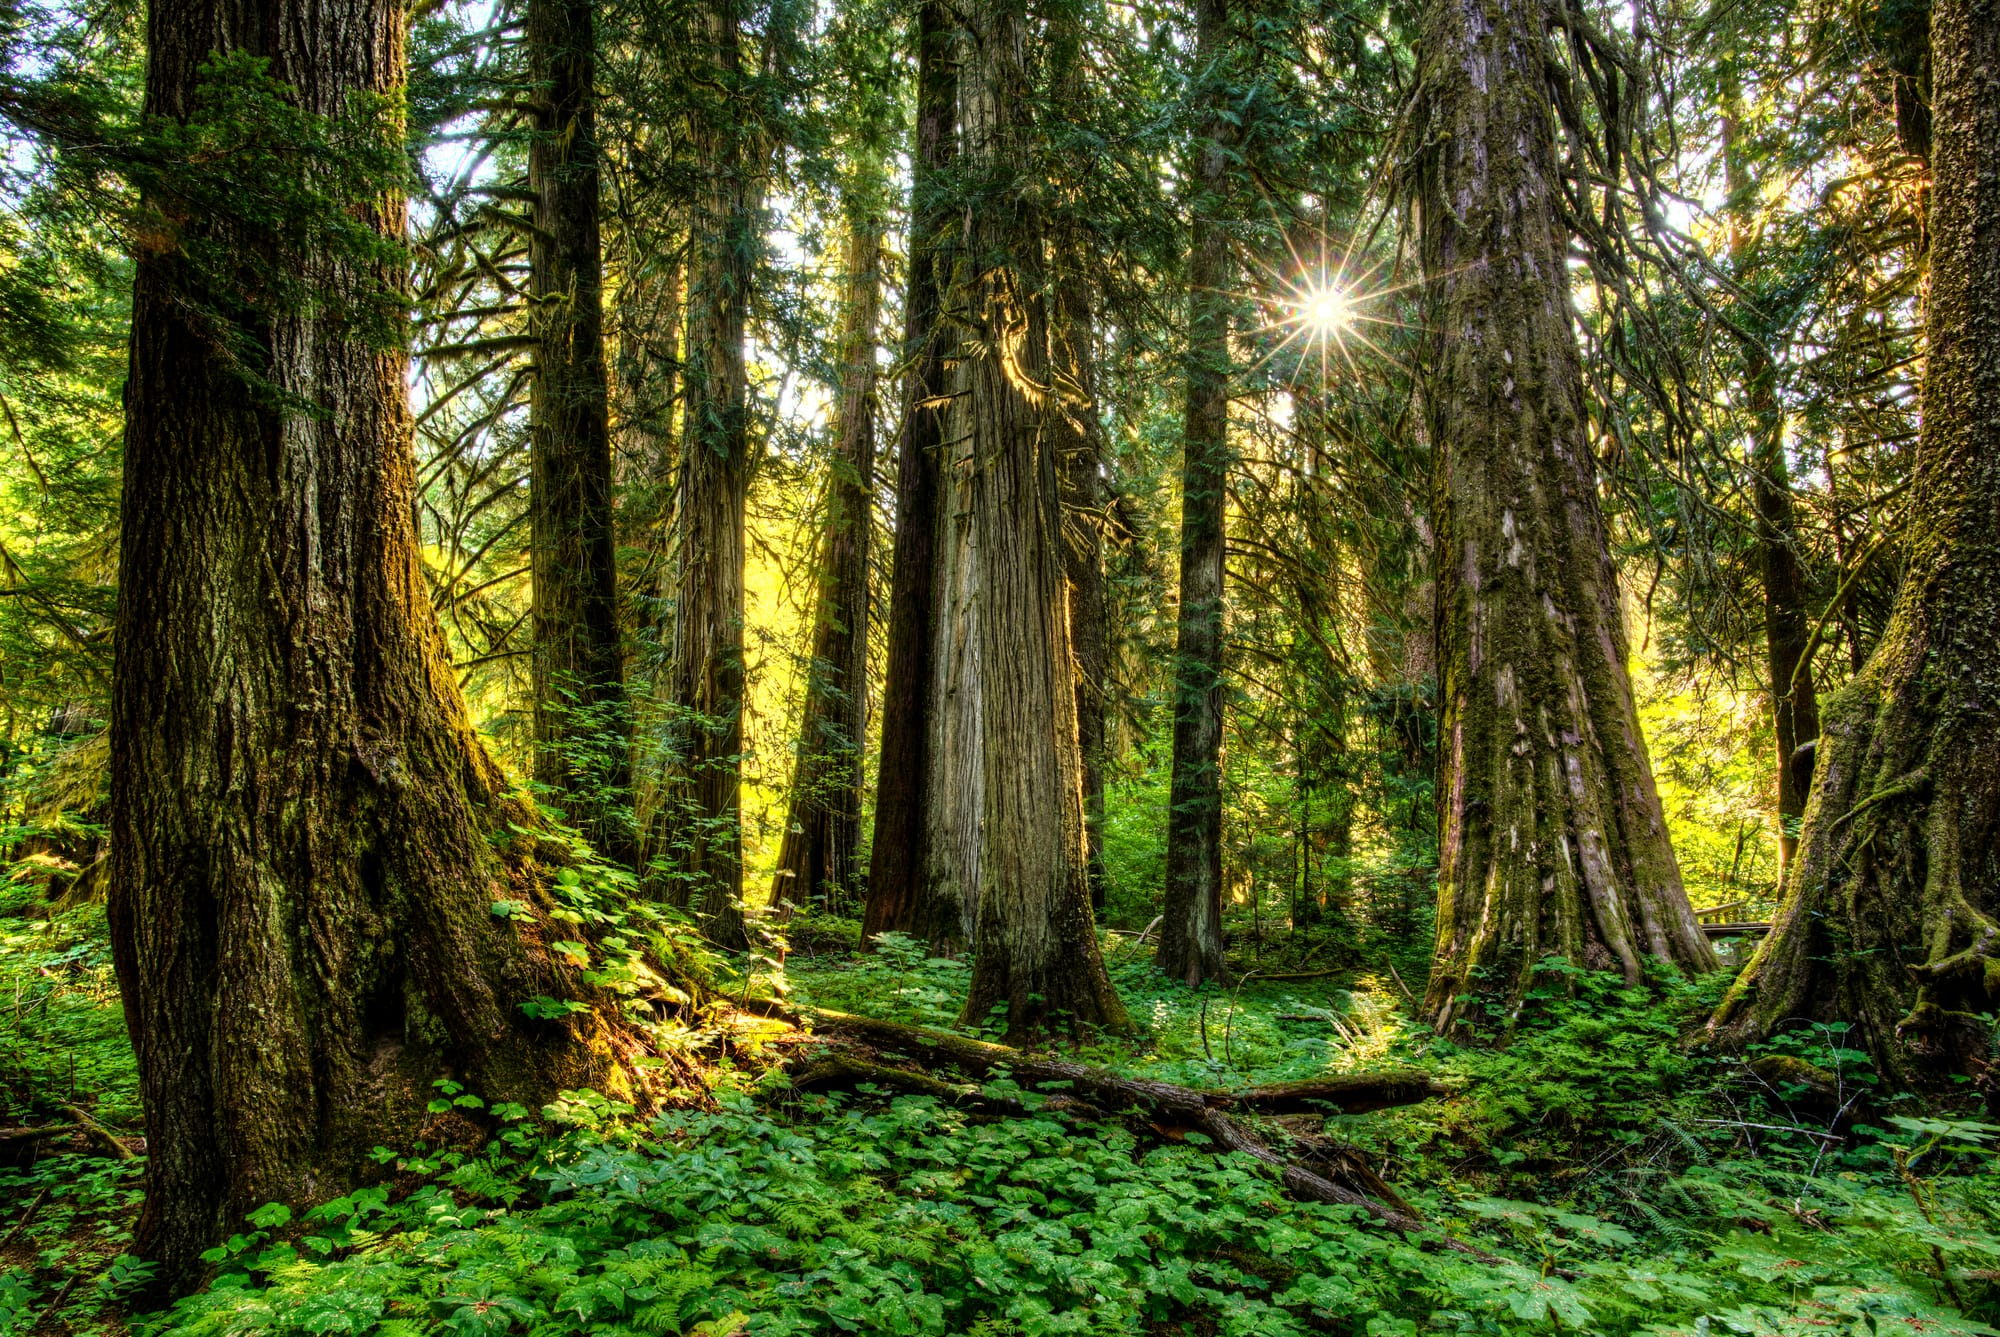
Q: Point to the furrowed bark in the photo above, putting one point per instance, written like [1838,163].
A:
[582,719]
[1889,919]
[301,812]
[1084,453]
[897,858]
[1552,838]
[818,857]
[1191,938]
[697,839]
[1038,952]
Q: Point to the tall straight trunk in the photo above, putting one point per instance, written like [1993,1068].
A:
[1038,954]
[818,857]
[300,810]
[582,724]
[1073,349]
[1552,840]
[1191,933]
[1787,629]
[955,785]
[1891,920]
[896,859]
[698,833]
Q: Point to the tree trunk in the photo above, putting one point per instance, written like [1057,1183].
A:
[698,834]
[1794,696]
[817,859]
[1038,951]
[1083,449]
[582,722]
[1889,919]
[1552,840]
[896,860]
[301,812]
[955,785]
[1191,936]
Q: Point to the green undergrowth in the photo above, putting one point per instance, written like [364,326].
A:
[1619,1179]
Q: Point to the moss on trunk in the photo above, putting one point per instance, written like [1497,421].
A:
[1889,918]
[1552,839]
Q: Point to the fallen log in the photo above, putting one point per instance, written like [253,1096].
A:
[1209,1112]
[1348,1093]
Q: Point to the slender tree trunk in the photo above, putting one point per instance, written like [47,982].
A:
[582,722]
[1191,934]
[301,812]
[1889,920]
[1552,840]
[698,831]
[1787,628]
[818,857]
[896,860]
[1038,951]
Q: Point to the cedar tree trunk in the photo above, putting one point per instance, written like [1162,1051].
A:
[1552,840]
[897,858]
[582,723]
[697,833]
[1889,919]
[1191,934]
[300,810]
[818,857]
[1037,952]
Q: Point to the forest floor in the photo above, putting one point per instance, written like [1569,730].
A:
[1607,1175]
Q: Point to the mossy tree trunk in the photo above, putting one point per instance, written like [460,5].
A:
[301,812]
[1552,839]
[818,856]
[1191,933]
[1889,918]
[1037,941]
[696,832]
[897,858]
[582,723]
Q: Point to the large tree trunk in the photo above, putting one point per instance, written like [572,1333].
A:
[1889,920]
[300,903]
[1552,840]
[818,857]
[697,832]
[1191,934]
[582,724]
[1073,349]
[897,858]
[1037,953]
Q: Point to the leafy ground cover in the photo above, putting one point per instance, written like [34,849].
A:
[1628,1182]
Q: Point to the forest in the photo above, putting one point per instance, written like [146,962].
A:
[730,668]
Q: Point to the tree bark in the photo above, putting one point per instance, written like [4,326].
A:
[697,830]
[1552,839]
[1073,350]
[818,856]
[955,785]
[582,720]
[301,812]
[896,860]
[1038,952]
[1889,919]
[1191,936]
